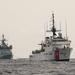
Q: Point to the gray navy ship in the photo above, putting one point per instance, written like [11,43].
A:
[5,50]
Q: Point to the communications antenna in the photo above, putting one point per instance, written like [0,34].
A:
[66,29]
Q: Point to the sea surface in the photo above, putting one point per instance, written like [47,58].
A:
[27,67]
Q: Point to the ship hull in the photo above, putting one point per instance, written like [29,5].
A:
[6,57]
[60,55]
[5,54]
[63,60]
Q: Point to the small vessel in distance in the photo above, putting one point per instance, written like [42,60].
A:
[54,48]
[5,50]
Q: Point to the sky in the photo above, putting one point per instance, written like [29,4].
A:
[22,22]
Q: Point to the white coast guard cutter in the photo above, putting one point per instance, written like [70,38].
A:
[54,48]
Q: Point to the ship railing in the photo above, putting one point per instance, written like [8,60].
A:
[6,47]
[65,48]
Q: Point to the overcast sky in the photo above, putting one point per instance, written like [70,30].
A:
[22,22]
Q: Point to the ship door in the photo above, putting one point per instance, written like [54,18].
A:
[57,55]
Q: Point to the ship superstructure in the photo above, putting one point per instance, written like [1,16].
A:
[55,47]
[5,50]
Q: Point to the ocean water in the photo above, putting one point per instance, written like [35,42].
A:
[26,67]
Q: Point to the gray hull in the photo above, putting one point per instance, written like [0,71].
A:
[6,57]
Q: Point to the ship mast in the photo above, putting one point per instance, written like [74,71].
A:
[53,27]
[3,39]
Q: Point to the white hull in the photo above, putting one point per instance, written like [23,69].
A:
[61,55]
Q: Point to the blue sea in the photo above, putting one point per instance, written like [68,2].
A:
[27,67]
